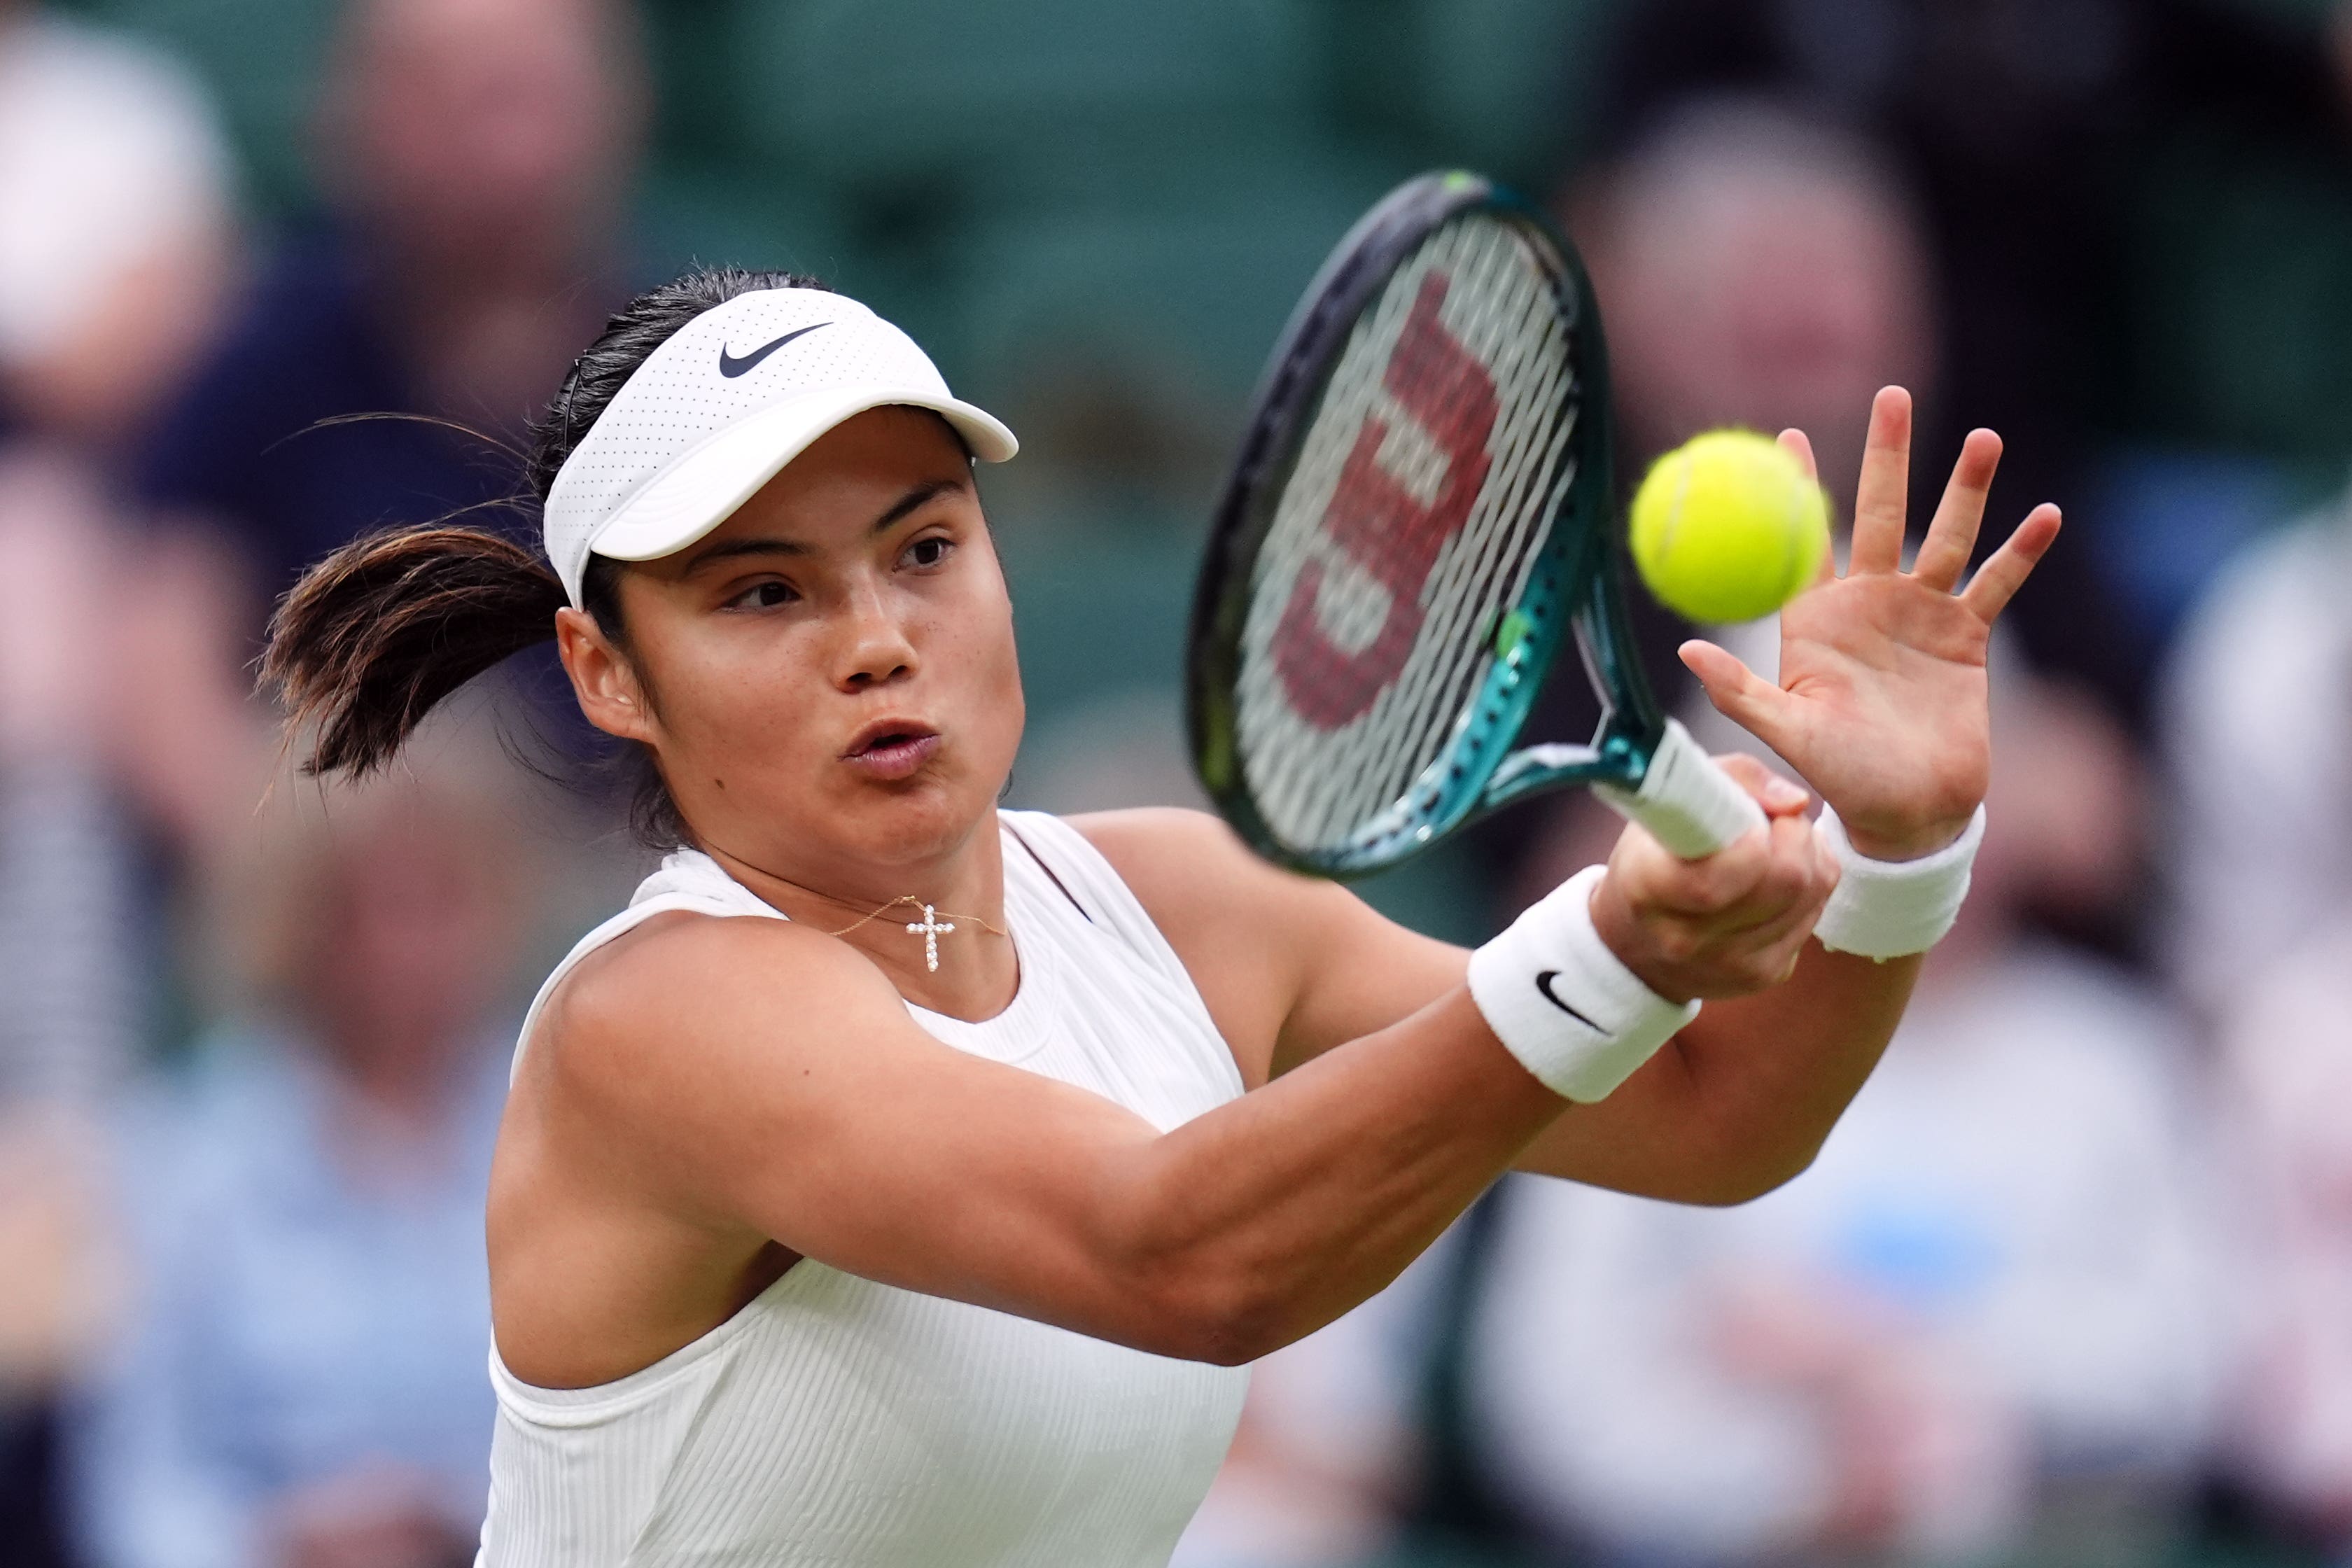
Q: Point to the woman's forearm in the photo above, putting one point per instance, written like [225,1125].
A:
[1274,1215]
[1742,1100]
[1774,1071]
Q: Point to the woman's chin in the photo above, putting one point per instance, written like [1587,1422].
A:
[912,821]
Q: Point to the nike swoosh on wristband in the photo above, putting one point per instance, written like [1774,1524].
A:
[1543,984]
[730,367]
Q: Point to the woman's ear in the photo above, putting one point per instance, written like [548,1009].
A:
[601,677]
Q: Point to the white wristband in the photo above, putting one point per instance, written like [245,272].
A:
[1888,908]
[1566,1006]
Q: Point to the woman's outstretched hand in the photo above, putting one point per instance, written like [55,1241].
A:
[1882,703]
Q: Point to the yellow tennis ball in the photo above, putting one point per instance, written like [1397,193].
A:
[1727,527]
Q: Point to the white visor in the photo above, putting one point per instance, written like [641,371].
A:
[724,403]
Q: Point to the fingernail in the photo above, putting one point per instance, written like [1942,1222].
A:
[1784,796]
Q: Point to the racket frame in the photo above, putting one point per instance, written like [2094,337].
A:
[1573,588]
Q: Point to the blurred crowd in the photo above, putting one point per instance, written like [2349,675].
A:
[2070,1284]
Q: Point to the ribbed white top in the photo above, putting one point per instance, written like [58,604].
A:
[841,1422]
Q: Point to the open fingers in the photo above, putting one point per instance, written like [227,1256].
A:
[1880,503]
[1999,579]
[1952,536]
[1798,442]
[1801,445]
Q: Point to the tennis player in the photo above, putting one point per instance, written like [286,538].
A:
[904,1180]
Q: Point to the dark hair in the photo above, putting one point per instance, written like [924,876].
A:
[374,635]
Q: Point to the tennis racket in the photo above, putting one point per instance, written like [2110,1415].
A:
[1421,510]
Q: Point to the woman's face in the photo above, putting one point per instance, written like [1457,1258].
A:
[828,678]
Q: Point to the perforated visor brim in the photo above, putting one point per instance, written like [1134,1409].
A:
[703,485]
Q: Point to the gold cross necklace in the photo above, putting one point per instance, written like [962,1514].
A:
[930,928]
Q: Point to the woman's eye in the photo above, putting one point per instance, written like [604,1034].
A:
[765,596]
[928,551]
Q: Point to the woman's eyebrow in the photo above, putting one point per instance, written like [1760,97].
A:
[732,549]
[897,511]
[927,490]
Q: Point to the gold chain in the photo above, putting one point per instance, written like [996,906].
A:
[981,920]
[930,928]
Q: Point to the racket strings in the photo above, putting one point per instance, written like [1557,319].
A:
[1366,783]
[1349,781]
[1373,607]
[1534,443]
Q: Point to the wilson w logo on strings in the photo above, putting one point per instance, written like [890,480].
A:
[1388,531]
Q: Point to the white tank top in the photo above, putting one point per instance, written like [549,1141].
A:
[841,1422]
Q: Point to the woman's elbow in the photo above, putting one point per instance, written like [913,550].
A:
[1762,1171]
[1218,1316]
[1201,1302]
[1728,1172]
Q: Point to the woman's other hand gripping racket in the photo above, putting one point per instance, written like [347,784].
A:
[1882,704]
[1725,924]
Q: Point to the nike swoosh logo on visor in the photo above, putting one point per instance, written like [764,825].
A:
[1543,984]
[730,367]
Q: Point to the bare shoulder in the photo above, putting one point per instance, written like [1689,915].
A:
[650,1010]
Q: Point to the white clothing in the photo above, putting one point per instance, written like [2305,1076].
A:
[2256,713]
[2286,1056]
[2008,1184]
[842,1422]
[1331,1436]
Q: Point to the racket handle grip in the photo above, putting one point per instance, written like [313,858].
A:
[1688,804]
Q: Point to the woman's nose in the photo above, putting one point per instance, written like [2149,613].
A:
[875,645]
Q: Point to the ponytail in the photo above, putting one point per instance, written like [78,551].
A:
[378,633]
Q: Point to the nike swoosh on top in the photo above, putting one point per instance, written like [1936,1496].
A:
[728,365]
[1543,984]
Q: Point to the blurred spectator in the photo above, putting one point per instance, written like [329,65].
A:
[1759,268]
[2086,293]
[2259,730]
[115,227]
[478,156]
[2287,1054]
[1984,1320]
[115,693]
[303,1385]
[69,988]
[2257,723]
[116,258]
[1993,110]
[70,1012]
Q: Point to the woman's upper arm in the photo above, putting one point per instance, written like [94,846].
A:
[742,1073]
[1289,965]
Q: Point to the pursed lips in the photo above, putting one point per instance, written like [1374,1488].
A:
[892,749]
